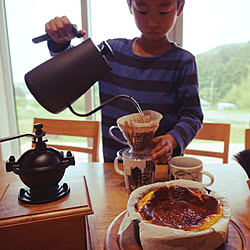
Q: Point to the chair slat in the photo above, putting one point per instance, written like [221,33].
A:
[213,132]
[83,128]
[247,138]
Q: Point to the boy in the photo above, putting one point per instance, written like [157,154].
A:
[156,72]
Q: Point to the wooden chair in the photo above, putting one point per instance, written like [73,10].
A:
[84,129]
[219,132]
[247,138]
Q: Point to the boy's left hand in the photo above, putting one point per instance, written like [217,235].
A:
[163,147]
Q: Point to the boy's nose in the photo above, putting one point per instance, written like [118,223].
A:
[152,22]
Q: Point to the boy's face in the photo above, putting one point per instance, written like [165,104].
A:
[154,18]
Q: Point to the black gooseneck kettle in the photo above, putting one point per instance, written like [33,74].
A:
[60,81]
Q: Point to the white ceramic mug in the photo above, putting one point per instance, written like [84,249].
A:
[188,168]
[138,171]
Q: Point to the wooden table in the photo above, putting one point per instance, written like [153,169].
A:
[109,197]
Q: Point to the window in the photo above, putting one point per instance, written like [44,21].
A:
[26,20]
[216,33]
[116,24]
[213,30]
[25,55]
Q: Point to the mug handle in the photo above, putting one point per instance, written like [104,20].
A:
[114,137]
[210,176]
[117,169]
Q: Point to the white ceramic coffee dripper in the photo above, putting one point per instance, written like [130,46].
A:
[137,130]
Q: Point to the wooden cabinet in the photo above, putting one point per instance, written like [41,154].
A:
[60,224]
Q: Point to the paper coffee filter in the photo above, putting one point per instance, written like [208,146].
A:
[151,118]
[139,130]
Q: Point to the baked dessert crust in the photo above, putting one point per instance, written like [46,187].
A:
[180,208]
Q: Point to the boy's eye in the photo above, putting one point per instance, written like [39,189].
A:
[142,12]
[164,13]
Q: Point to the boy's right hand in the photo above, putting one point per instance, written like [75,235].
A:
[163,148]
[60,29]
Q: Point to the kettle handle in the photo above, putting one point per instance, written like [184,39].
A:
[46,37]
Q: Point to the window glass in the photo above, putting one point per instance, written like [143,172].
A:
[26,20]
[216,32]
[114,20]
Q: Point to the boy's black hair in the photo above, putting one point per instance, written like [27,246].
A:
[179,2]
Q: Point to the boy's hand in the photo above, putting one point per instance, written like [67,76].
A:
[163,147]
[60,29]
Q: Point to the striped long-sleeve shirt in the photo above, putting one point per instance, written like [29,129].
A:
[166,83]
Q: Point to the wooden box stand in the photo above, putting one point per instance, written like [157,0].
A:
[61,224]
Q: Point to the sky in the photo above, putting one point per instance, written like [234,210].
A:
[207,24]
[210,23]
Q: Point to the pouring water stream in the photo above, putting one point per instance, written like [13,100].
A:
[107,102]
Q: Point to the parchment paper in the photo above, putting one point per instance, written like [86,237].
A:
[161,237]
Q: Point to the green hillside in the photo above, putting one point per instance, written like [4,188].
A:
[224,75]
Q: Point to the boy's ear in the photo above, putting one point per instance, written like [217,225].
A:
[181,8]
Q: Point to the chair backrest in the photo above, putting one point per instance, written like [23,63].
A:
[85,129]
[247,138]
[213,132]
